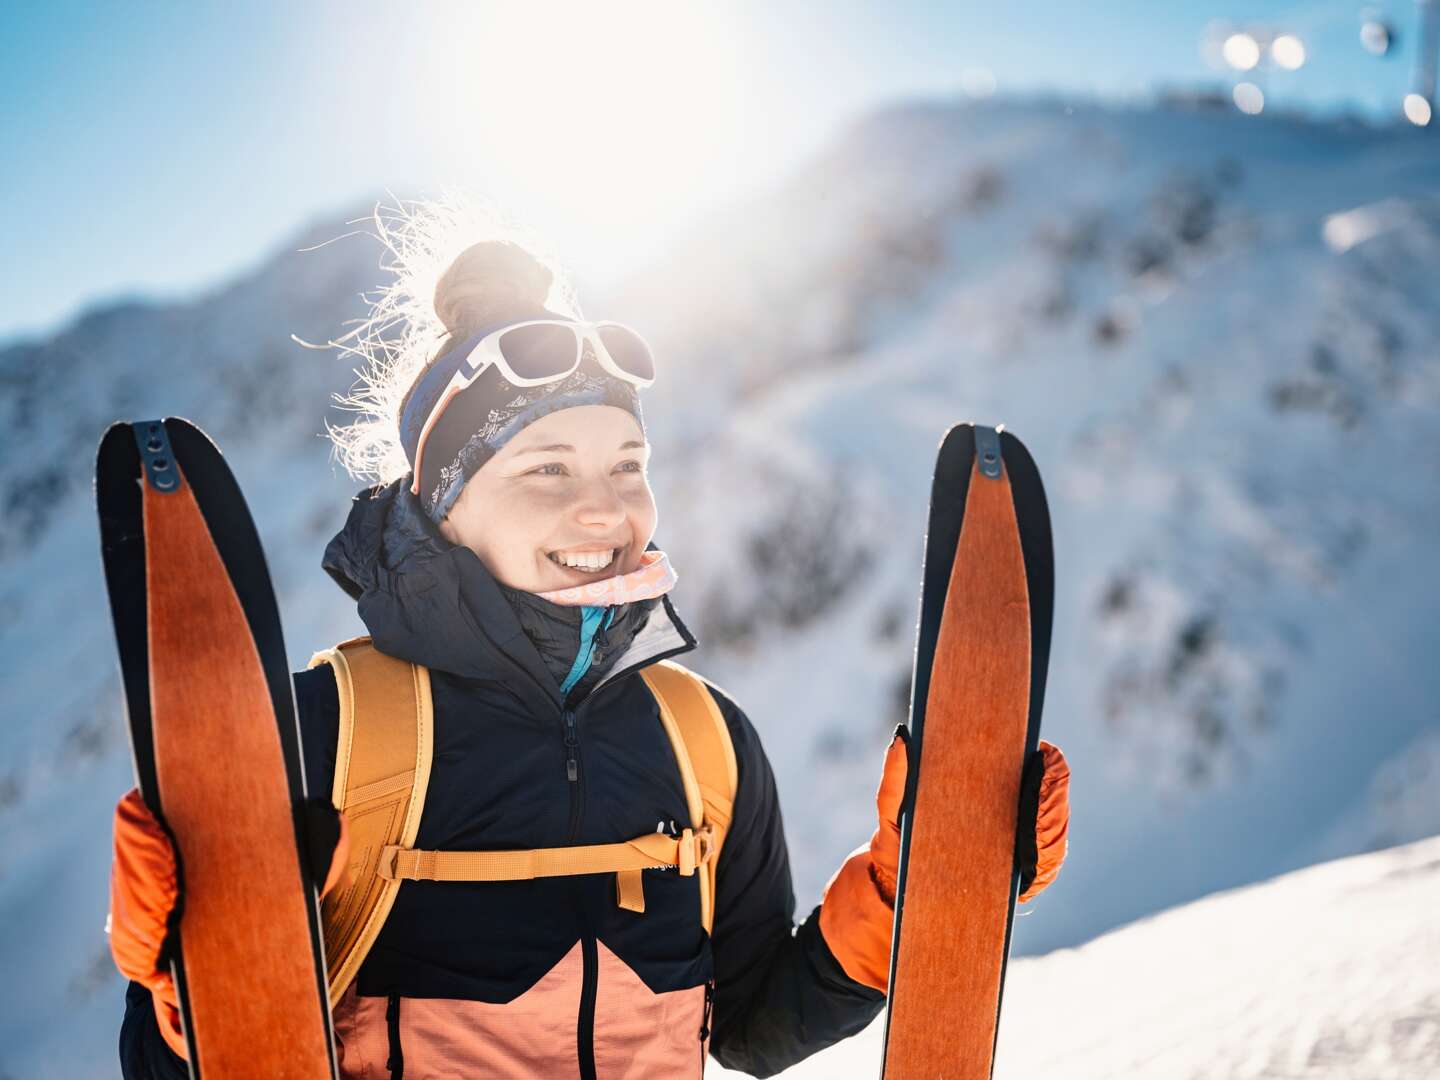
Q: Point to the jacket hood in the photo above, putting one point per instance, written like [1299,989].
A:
[431,602]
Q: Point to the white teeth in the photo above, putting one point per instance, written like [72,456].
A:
[585,560]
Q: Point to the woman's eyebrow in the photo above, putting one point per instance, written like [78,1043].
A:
[559,448]
[565,448]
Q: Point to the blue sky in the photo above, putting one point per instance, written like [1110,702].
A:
[152,149]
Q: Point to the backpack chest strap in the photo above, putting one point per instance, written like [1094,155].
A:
[691,850]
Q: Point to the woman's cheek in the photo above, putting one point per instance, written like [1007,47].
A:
[640,506]
[635,488]
[554,493]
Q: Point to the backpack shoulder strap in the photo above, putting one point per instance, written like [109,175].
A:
[382,770]
[706,756]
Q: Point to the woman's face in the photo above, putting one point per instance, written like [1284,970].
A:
[570,485]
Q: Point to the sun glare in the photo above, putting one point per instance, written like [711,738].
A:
[607,119]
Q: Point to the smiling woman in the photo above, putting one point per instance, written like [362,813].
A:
[568,857]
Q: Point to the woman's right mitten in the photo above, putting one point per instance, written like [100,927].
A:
[145,895]
[144,906]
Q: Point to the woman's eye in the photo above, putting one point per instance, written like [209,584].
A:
[625,466]
[543,469]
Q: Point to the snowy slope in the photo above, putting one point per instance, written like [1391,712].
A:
[1212,331]
[1326,973]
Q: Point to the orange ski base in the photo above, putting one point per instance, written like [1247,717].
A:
[255,1003]
[946,988]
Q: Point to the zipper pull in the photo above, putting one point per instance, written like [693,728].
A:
[705,1020]
[572,766]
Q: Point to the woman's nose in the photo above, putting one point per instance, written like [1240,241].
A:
[600,505]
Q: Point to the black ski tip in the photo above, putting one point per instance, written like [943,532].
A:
[107,450]
[118,429]
[1017,457]
[956,436]
[130,432]
[120,511]
[192,432]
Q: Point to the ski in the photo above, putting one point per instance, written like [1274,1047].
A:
[982,649]
[216,747]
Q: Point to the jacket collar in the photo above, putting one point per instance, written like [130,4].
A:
[578,643]
[431,602]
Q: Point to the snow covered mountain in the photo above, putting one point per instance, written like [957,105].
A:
[1212,331]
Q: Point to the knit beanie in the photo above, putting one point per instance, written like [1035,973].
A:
[490,285]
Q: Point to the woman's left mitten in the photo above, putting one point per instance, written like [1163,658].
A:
[1042,837]
[857,910]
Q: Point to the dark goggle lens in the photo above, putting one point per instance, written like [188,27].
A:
[539,352]
[628,350]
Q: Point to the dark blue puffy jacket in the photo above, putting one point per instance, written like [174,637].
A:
[550,977]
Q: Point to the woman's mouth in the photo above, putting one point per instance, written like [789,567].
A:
[587,562]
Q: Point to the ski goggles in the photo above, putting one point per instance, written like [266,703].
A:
[539,351]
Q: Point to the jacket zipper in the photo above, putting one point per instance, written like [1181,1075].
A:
[395,1064]
[572,770]
[705,1021]
[585,1027]
[585,1032]
[570,728]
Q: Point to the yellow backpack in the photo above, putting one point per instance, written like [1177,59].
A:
[382,771]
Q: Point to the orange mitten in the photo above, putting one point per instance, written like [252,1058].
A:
[857,912]
[858,909]
[1045,806]
[145,897]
